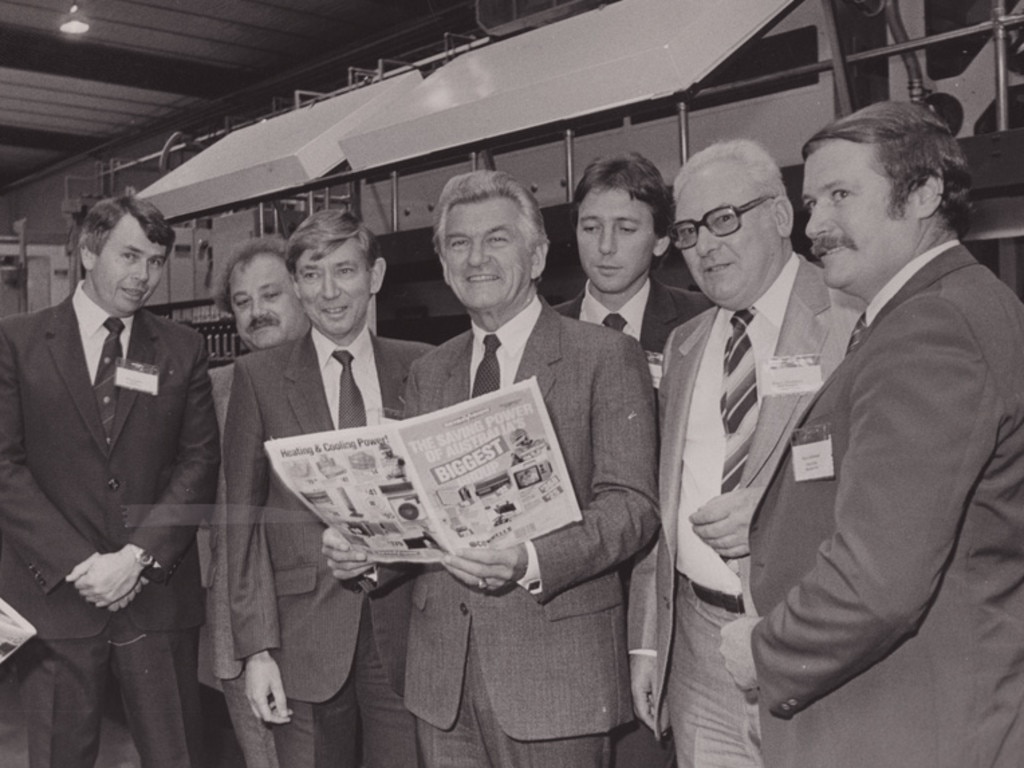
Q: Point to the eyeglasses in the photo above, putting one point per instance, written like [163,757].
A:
[719,221]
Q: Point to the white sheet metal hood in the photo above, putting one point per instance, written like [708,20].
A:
[274,154]
[624,53]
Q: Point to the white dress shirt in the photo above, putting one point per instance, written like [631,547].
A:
[364,369]
[704,445]
[90,318]
[593,311]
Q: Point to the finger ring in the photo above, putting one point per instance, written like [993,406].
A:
[482,584]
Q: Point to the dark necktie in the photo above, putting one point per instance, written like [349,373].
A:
[857,336]
[614,320]
[351,411]
[488,374]
[106,392]
[739,399]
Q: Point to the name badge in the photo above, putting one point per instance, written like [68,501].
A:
[791,375]
[138,376]
[812,454]
[654,364]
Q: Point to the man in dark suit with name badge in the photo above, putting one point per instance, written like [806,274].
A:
[108,458]
[323,659]
[888,551]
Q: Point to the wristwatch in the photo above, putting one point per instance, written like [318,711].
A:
[150,567]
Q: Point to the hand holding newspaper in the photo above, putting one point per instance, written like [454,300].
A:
[487,472]
[14,630]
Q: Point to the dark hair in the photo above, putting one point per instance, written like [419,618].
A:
[480,186]
[911,145]
[107,213]
[632,173]
[242,256]
[325,231]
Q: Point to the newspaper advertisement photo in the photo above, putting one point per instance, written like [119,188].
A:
[487,472]
[14,630]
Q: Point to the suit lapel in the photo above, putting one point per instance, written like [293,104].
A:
[65,343]
[391,375]
[305,388]
[142,348]
[659,313]
[542,351]
[805,327]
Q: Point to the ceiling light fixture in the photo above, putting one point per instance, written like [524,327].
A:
[74,21]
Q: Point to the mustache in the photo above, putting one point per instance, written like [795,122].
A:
[822,245]
[263,321]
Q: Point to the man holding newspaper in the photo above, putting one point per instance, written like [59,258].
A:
[516,655]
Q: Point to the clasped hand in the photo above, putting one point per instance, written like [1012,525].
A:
[109,581]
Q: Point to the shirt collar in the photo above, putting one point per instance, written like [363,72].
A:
[91,315]
[361,347]
[772,303]
[593,311]
[513,334]
[902,277]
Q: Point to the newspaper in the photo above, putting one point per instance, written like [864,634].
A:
[14,630]
[487,472]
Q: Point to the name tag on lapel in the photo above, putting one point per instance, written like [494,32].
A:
[138,376]
[812,453]
[791,375]
[655,361]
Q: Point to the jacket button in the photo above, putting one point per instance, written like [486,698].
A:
[113,483]
[464,608]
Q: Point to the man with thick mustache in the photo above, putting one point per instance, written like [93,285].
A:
[256,288]
[888,551]
[736,379]
[324,659]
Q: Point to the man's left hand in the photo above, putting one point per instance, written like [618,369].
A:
[724,522]
[109,578]
[488,569]
[738,653]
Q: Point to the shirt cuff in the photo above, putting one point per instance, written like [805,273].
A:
[531,580]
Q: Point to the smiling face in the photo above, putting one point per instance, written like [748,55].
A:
[488,262]
[734,270]
[126,271]
[335,289]
[616,240]
[266,308]
[852,230]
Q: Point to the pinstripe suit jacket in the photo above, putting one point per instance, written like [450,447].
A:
[815,323]
[555,665]
[283,596]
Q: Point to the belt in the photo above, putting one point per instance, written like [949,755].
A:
[730,603]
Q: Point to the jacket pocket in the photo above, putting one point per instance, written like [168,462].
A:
[295,581]
[593,596]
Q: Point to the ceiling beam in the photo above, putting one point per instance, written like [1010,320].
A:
[37,52]
[31,138]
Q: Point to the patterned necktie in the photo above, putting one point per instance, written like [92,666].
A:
[351,411]
[106,392]
[614,320]
[739,399]
[488,374]
[857,336]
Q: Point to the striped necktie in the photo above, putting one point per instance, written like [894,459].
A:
[857,336]
[739,399]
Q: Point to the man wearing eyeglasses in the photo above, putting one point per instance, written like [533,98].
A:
[736,379]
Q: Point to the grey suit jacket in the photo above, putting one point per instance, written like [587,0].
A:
[283,596]
[555,664]
[816,322]
[893,593]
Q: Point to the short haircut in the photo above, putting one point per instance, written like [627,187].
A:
[481,186]
[911,145]
[750,155]
[107,213]
[325,231]
[243,256]
[634,174]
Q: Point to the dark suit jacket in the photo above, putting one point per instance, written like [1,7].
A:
[283,596]
[816,322]
[894,632]
[64,494]
[555,665]
[667,307]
